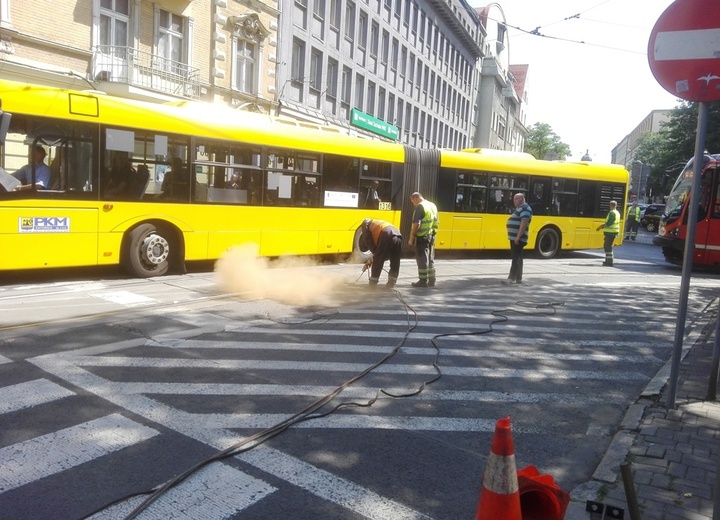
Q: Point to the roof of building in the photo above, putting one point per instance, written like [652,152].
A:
[520,74]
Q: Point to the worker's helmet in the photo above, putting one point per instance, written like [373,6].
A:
[366,223]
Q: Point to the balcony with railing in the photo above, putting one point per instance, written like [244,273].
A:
[145,70]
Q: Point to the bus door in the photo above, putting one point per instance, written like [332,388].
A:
[707,231]
[470,201]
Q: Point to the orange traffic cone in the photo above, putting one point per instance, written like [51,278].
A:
[540,497]
[500,496]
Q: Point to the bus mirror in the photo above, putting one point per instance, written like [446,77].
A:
[4,125]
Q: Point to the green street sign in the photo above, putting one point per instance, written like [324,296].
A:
[373,124]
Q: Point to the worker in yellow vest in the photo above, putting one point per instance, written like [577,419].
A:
[385,242]
[611,229]
[425,223]
[632,221]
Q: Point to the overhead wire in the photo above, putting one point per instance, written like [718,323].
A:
[576,16]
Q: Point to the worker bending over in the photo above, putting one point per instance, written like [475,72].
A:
[385,242]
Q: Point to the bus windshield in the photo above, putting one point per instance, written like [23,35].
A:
[680,192]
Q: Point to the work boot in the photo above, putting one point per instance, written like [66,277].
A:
[420,283]
[391,283]
[607,264]
[431,282]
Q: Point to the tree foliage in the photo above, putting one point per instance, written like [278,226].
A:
[541,141]
[674,144]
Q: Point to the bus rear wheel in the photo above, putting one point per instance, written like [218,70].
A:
[548,242]
[359,255]
[148,251]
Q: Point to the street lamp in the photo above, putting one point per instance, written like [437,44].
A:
[641,189]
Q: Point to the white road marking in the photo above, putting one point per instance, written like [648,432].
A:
[424,351]
[216,492]
[453,326]
[30,393]
[314,366]
[124,297]
[4,360]
[49,454]
[429,394]
[306,476]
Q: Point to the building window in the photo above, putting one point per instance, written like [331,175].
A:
[300,13]
[171,41]
[319,9]
[385,46]
[350,21]
[371,99]
[316,59]
[346,84]
[297,71]
[374,39]
[335,13]
[359,90]
[381,103]
[245,66]
[114,23]
[331,84]
[362,30]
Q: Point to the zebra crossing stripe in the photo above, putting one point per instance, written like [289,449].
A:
[216,491]
[43,456]
[4,360]
[30,393]
[429,394]
[347,348]
[422,369]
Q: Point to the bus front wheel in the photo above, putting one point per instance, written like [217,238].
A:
[548,242]
[148,251]
[359,255]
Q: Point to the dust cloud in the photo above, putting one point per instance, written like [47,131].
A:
[290,280]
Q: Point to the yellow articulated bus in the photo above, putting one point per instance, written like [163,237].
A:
[91,179]
[569,200]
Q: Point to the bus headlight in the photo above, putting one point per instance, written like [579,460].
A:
[661,231]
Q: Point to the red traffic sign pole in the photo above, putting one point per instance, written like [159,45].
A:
[684,57]
[684,50]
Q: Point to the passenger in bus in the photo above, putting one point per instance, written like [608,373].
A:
[43,175]
[372,200]
[120,177]
[233,183]
[175,184]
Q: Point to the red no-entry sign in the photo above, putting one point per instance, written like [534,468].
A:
[684,50]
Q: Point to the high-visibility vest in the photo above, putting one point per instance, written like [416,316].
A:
[636,211]
[376,226]
[429,223]
[612,228]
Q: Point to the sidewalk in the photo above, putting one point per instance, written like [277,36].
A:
[674,454]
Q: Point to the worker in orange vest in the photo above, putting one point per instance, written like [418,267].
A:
[384,241]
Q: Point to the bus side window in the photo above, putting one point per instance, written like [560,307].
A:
[716,205]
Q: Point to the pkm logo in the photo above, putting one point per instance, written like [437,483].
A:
[44,225]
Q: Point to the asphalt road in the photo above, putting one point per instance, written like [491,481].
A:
[114,386]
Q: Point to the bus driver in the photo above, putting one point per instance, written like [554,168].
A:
[42,172]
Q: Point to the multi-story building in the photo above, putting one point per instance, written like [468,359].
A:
[425,69]
[624,151]
[167,50]
[408,63]
[502,94]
